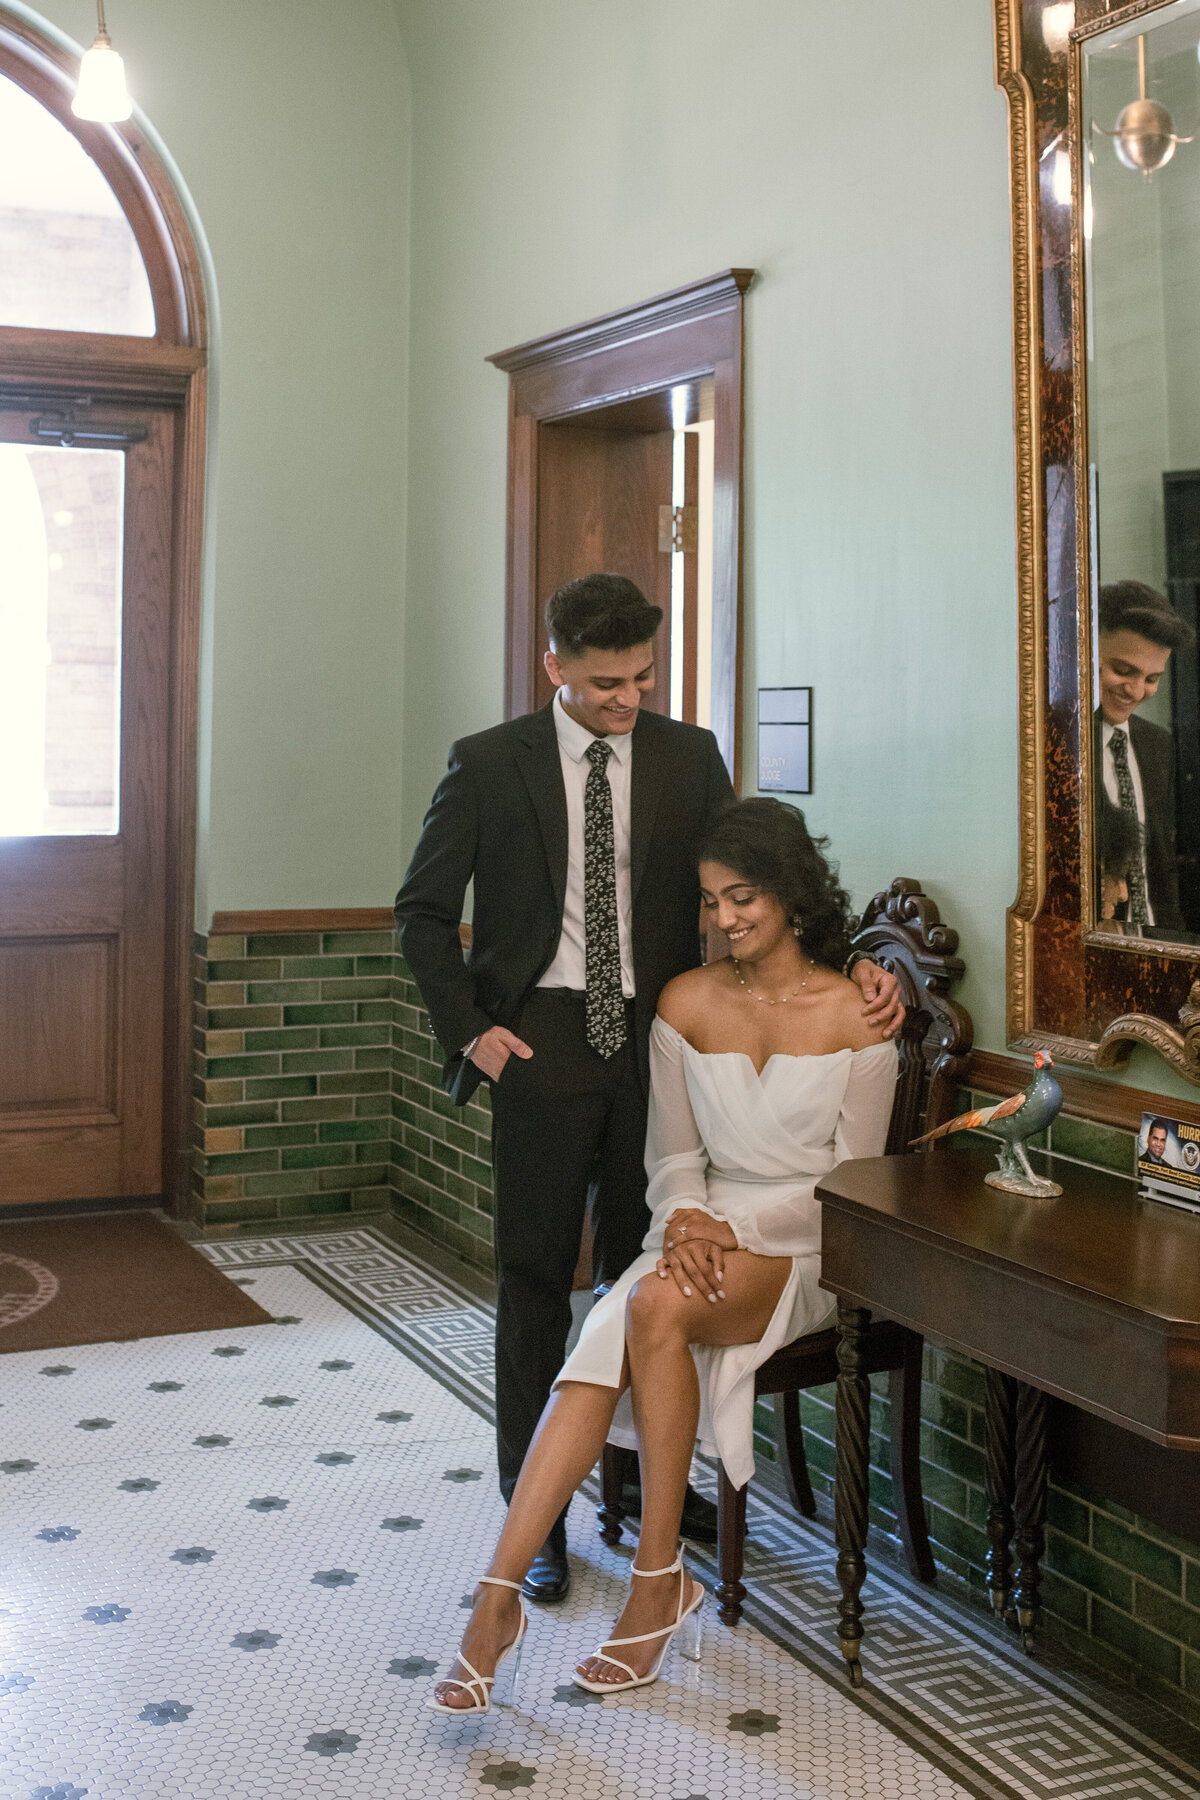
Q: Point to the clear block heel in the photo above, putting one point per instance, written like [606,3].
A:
[483,1689]
[686,1627]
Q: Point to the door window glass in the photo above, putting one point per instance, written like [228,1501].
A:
[61,528]
[68,259]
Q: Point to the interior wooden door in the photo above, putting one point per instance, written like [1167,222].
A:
[598,498]
[85,644]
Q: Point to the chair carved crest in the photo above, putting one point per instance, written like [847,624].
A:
[902,930]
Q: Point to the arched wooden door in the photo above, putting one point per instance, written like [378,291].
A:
[101,445]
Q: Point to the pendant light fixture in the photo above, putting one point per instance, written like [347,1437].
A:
[1145,137]
[101,94]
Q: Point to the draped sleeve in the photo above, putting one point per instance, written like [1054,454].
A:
[791,1226]
[676,1159]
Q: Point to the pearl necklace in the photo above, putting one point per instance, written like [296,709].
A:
[783,998]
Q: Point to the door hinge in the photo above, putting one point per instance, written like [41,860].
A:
[679,529]
[63,427]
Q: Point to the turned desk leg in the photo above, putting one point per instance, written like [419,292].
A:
[1001,1484]
[1031,1475]
[853,1433]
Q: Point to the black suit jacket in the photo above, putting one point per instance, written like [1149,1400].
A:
[499,817]
[1155,752]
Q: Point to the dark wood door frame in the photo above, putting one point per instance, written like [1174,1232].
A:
[166,370]
[686,335]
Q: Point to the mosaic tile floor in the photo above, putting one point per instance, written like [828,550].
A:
[233,1562]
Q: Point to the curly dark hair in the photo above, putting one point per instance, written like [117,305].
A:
[768,842]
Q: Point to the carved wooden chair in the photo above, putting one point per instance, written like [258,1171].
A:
[900,930]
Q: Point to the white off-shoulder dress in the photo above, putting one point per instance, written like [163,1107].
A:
[749,1149]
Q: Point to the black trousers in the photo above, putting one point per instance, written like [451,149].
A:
[566,1125]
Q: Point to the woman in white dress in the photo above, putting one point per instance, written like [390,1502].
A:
[764,1074]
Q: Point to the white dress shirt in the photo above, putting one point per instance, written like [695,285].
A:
[1114,792]
[568,970]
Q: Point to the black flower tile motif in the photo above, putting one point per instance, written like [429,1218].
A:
[107,1615]
[268,1503]
[277,1400]
[59,1369]
[59,1790]
[254,1640]
[289,1319]
[403,1523]
[95,1424]
[333,1459]
[333,1578]
[141,1484]
[467,1603]
[20,1465]
[57,1534]
[196,1554]
[411,1668]
[229,1350]
[15,1684]
[463,1475]
[336,1363]
[754,1723]
[212,1441]
[163,1387]
[332,1743]
[570,1695]
[165,1712]
[393,1418]
[505,1776]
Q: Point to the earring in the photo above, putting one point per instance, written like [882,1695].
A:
[797,924]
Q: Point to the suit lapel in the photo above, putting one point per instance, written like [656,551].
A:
[645,787]
[541,771]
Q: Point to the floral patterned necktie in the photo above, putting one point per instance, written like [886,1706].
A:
[606,1030]
[1139,910]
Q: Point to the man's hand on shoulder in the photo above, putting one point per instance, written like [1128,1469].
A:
[491,1051]
[880,990]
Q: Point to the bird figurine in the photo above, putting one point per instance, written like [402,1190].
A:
[1014,1121]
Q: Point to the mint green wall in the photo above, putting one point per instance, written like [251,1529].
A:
[288,123]
[568,159]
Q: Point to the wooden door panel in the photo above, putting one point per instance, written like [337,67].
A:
[83,917]
[85,1159]
[598,495]
[60,885]
[59,1047]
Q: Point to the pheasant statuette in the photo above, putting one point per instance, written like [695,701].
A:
[1014,1121]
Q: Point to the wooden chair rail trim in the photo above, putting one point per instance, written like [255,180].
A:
[1100,1102]
[329,918]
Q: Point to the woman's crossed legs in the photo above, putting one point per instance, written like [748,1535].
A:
[661,1322]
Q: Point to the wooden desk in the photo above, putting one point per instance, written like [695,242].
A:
[1093,1296]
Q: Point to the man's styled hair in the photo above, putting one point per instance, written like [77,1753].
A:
[1159,1125]
[1132,606]
[600,612]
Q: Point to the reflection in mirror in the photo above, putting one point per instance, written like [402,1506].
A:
[1140,113]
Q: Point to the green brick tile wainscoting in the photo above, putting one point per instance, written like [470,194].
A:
[317,1092]
[293,1074]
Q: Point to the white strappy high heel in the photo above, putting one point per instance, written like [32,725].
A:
[687,1622]
[483,1689]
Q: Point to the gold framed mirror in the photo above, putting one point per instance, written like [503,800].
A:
[1104,935]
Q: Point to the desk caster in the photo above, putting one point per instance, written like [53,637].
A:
[854,1671]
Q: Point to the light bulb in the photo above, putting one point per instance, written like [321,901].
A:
[102,94]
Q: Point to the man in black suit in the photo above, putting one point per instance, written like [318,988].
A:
[578,825]
[1135,760]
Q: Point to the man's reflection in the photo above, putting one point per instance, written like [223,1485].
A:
[1138,629]
[1118,848]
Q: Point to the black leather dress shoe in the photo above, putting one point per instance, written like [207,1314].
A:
[549,1577]
[699,1522]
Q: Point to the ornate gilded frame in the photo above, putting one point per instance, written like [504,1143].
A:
[1084,995]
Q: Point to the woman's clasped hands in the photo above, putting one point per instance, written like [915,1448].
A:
[694,1249]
